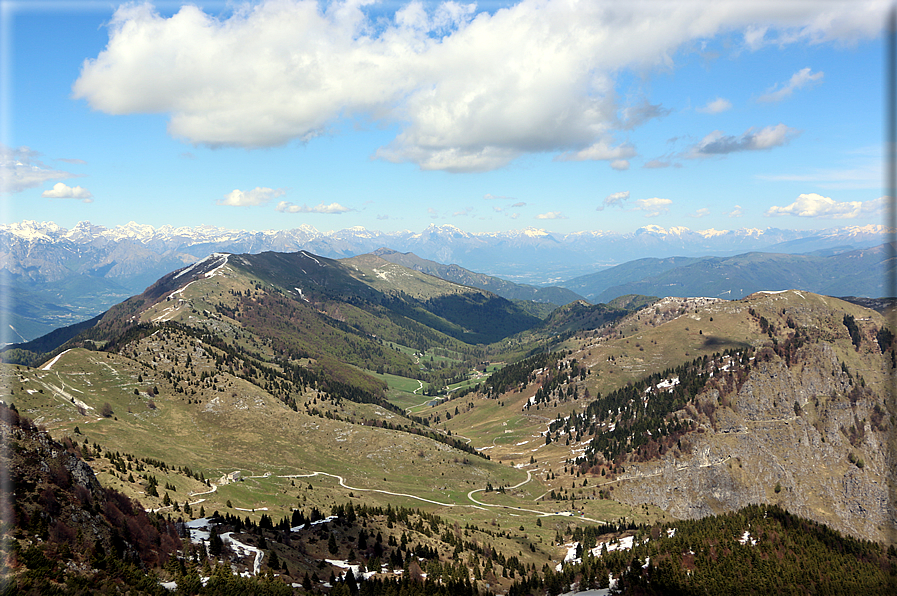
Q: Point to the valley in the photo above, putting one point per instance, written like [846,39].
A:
[487,441]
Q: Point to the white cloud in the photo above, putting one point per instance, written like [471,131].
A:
[716,106]
[717,143]
[818,206]
[518,204]
[602,150]
[620,165]
[702,212]
[468,92]
[287,207]
[490,197]
[551,215]
[614,200]
[257,196]
[21,169]
[736,212]
[653,207]
[800,79]
[62,191]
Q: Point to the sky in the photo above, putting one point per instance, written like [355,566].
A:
[559,115]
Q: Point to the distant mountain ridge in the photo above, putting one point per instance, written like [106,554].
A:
[861,272]
[506,289]
[500,252]
[57,276]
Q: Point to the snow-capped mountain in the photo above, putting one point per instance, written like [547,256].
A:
[35,246]
[76,273]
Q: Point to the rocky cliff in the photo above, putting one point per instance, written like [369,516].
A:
[807,424]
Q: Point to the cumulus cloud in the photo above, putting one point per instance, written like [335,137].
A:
[716,106]
[702,212]
[551,215]
[63,191]
[798,80]
[614,200]
[468,91]
[257,196]
[287,207]
[21,168]
[653,207]
[818,206]
[717,143]
[736,212]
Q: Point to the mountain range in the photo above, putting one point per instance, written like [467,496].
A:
[55,276]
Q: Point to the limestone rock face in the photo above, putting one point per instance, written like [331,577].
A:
[808,436]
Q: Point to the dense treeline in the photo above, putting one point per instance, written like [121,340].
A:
[642,412]
[519,374]
[761,549]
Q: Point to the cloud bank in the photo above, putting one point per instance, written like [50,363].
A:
[468,91]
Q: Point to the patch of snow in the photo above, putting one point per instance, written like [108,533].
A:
[215,271]
[50,364]
[200,529]
[355,569]
[244,550]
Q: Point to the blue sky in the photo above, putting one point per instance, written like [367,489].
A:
[564,116]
